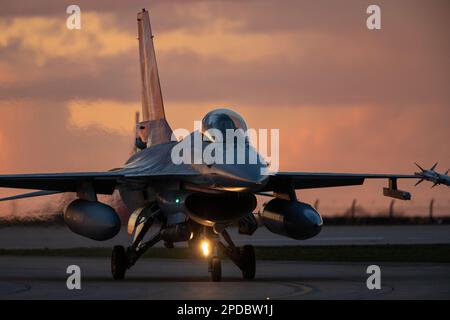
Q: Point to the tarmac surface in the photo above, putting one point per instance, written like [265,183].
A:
[62,237]
[45,278]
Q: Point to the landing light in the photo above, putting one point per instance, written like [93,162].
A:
[205,248]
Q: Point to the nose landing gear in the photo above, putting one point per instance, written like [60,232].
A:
[123,259]
[243,258]
[215,268]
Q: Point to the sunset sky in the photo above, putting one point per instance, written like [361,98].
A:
[345,98]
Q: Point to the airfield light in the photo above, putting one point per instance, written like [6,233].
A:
[205,248]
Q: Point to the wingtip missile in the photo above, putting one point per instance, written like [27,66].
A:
[421,169]
[432,176]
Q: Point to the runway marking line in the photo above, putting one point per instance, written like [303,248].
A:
[304,289]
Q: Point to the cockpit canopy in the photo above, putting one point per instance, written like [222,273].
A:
[221,120]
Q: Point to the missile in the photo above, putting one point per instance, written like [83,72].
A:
[433,176]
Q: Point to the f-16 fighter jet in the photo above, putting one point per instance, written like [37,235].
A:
[190,202]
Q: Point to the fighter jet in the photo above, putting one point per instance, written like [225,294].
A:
[433,176]
[188,202]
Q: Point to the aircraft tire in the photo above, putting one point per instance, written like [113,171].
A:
[248,262]
[118,263]
[216,269]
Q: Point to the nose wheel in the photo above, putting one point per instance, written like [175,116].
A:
[215,268]
[243,258]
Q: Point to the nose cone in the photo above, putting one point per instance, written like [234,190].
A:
[240,168]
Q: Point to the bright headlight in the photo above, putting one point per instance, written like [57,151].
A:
[205,248]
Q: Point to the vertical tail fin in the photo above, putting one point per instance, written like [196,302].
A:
[152,102]
[154,129]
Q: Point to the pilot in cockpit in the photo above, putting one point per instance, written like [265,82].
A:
[219,121]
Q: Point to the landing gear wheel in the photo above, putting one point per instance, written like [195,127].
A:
[248,262]
[118,263]
[215,267]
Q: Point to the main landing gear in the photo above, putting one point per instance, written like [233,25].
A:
[243,258]
[123,259]
[119,263]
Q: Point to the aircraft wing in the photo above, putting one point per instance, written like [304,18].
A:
[281,182]
[102,182]
[310,180]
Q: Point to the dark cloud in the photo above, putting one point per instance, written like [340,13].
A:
[321,79]
[344,63]
[166,15]
[60,79]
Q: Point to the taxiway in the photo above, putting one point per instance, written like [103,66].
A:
[45,278]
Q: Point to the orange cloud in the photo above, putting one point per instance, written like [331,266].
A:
[105,114]
[7,74]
